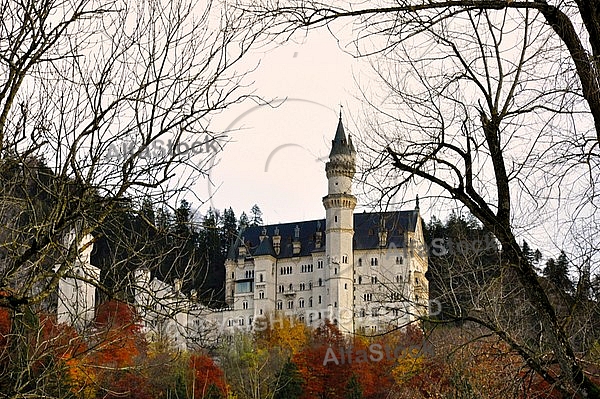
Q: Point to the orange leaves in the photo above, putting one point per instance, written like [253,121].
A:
[207,377]
[332,364]
[289,334]
[119,339]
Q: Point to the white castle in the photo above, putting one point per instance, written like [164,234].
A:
[365,272]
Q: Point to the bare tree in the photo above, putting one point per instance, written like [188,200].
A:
[104,104]
[493,104]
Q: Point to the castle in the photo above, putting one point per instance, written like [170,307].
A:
[362,271]
[365,272]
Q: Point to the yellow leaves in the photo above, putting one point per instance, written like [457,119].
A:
[286,333]
[408,364]
[81,377]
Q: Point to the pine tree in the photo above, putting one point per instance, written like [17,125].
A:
[290,382]
[527,252]
[353,388]
[256,216]
[558,273]
[244,221]
[211,276]
[228,231]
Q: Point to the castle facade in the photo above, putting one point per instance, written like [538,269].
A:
[364,272]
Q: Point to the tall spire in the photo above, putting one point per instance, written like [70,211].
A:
[341,145]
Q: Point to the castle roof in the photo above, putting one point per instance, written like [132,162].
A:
[366,234]
[341,145]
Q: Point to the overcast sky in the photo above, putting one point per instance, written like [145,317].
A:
[276,157]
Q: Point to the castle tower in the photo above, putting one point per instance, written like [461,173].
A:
[339,206]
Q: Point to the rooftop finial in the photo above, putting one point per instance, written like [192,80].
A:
[341,108]
[417,203]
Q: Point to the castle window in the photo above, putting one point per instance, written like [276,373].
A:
[359,261]
[345,286]
[310,302]
[368,297]
[399,260]
[344,259]
[320,264]
[291,286]
[279,305]
[320,282]
[281,288]
[374,261]
[290,304]
[359,279]
[232,274]
[310,285]
[398,279]
[374,280]
[363,313]
[261,278]
[335,219]
[335,304]
[319,301]
[260,311]
[245,305]
[261,295]
[375,312]
[301,303]
[241,321]
[417,280]
[319,315]
[335,270]
[310,318]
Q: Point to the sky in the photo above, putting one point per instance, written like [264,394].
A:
[276,156]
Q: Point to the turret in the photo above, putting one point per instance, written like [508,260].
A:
[339,205]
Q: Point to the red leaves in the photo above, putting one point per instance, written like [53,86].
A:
[119,339]
[330,362]
[207,376]
[5,321]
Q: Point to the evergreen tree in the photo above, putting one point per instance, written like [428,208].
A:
[256,219]
[244,221]
[527,252]
[353,388]
[228,231]
[211,276]
[584,285]
[558,272]
[183,219]
[462,255]
[290,382]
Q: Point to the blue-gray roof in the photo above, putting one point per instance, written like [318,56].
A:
[366,234]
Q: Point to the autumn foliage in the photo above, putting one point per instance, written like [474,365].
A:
[208,378]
